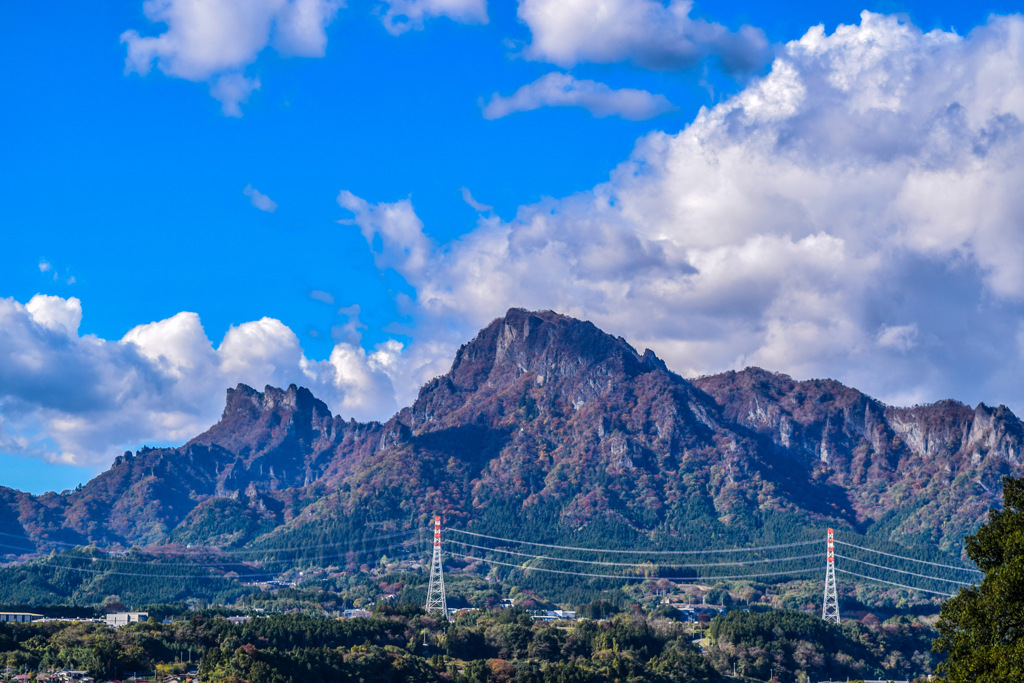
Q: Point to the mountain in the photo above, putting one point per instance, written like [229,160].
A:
[923,474]
[545,426]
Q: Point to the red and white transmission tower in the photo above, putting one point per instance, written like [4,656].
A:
[435,592]
[830,608]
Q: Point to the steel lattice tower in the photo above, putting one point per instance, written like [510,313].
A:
[830,608]
[435,592]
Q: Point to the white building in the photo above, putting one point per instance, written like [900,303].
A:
[119,619]
[555,615]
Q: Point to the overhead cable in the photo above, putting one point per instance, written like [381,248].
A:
[901,571]
[635,565]
[242,551]
[871,578]
[709,551]
[214,564]
[909,559]
[307,547]
[31,541]
[631,578]
[156,576]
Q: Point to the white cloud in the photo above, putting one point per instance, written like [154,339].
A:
[646,32]
[562,90]
[855,213]
[899,337]
[232,91]
[83,399]
[393,231]
[351,330]
[55,313]
[215,40]
[322,296]
[259,200]
[467,197]
[45,267]
[403,15]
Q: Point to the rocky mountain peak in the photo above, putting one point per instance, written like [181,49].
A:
[243,400]
[523,353]
[259,420]
[552,345]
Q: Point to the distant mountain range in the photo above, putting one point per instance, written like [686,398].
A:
[547,426]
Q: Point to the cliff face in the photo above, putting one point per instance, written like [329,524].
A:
[547,419]
[928,471]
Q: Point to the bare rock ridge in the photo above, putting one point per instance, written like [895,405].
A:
[549,422]
[568,356]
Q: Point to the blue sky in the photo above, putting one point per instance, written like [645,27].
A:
[127,205]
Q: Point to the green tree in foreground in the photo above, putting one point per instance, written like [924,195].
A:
[981,630]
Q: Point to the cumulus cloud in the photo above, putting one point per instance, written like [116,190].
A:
[854,213]
[562,90]
[648,33]
[82,399]
[259,200]
[403,15]
[55,313]
[393,231]
[215,40]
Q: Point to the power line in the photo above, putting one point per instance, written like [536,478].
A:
[41,541]
[244,551]
[214,564]
[155,576]
[913,588]
[159,575]
[14,547]
[629,564]
[901,571]
[910,559]
[638,552]
[307,547]
[630,578]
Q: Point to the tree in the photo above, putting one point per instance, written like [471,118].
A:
[981,630]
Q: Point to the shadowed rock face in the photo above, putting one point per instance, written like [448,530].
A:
[550,418]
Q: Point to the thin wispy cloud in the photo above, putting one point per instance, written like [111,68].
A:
[400,16]
[322,296]
[562,90]
[47,268]
[467,197]
[259,200]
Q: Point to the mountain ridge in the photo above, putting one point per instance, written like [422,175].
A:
[549,420]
